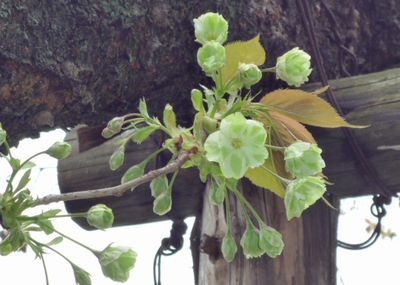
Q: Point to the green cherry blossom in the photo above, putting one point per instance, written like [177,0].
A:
[293,67]
[211,57]
[249,74]
[210,27]
[303,159]
[237,146]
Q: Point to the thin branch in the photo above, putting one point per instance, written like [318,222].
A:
[118,190]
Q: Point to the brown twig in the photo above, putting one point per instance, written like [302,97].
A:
[118,190]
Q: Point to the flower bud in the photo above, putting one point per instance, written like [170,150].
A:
[209,124]
[100,216]
[303,159]
[197,99]
[59,150]
[249,74]
[81,276]
[271,241]
[293,67]
[107,133]
[115,125]
[117,158]
[162,204]
[210,27]
[250,242]
[116,262]
[229,247]
[301,193]
[211,57]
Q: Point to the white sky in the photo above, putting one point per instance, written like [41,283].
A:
[376,265]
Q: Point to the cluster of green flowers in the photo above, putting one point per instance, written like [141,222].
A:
[230,136]
[116,262]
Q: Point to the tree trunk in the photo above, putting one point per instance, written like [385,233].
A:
[84,61]
[309,256]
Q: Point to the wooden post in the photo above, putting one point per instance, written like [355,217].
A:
[310,245]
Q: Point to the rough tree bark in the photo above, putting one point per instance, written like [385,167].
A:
[84,61]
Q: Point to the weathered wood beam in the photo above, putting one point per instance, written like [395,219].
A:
[368,99]
[89,168]
[372,99]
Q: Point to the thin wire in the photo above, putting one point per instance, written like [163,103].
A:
[169,246]
[368,171]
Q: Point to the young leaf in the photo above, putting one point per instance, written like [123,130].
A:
[55,241]
[133,172]
[143,108]
[50,213]
[142,134]
[305,107]
[286,130]
[24,180]
[169,117]
[263,178]
[242,52]
[28,165]
[46,226]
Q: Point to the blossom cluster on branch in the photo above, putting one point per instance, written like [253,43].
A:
[234,135]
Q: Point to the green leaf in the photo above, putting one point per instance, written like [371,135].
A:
[28,165]
[133,172]
[24,180]
[50,213]
[263,178]
[142,134]
[46,226]
[169,117]
[81,276]
[143,108]
[159,185]
[55,241]
[117,158]
[242,52]
[305,107]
